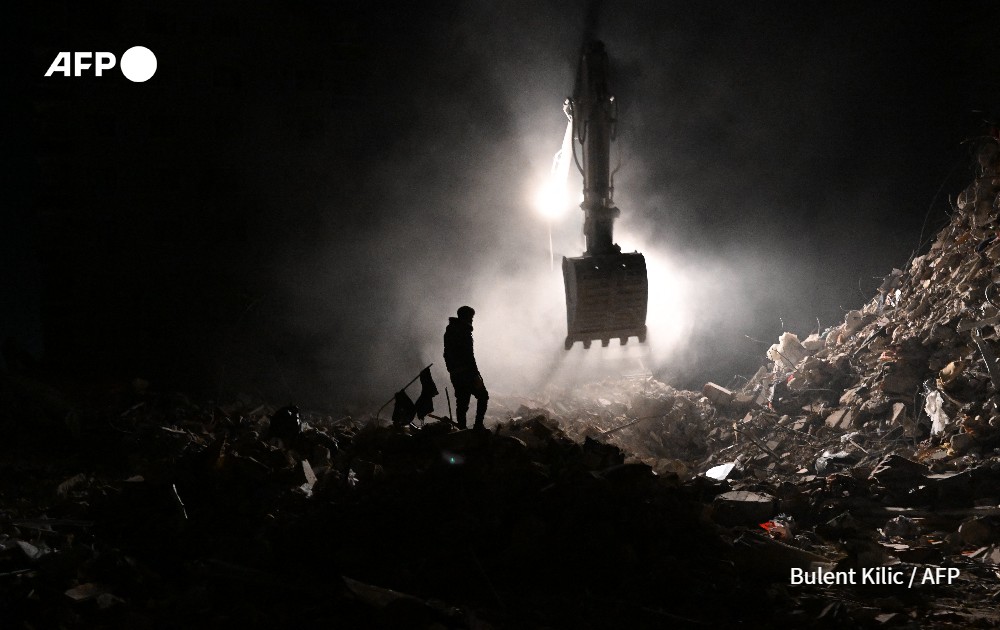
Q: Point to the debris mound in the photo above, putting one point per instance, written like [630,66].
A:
[851,482]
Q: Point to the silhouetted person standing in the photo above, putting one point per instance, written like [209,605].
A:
[461,362]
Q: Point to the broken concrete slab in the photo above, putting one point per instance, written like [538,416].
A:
[896,470]
[741,507]
[718,394]
[842,419]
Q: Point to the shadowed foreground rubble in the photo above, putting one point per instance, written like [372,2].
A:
[170,515]
[868,450]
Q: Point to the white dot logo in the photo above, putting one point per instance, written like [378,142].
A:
[138,64]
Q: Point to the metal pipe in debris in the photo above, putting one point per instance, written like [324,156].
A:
[628,424]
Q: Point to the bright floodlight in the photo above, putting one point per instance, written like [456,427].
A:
[552,199]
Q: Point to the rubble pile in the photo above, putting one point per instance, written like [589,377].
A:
[163,513]
[874,443]
[912,373]
[869,449]
[653,423]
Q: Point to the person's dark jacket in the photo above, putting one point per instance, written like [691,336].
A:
[458,354]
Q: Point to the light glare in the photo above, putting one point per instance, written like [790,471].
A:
[552,200]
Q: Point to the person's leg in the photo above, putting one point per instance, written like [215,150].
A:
[462,395]
[482,398]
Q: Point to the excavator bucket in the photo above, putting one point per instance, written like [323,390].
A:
[606,290]
[606,297]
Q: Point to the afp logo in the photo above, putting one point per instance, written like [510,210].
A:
[138,64]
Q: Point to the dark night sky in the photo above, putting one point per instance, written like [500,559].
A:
[304,192]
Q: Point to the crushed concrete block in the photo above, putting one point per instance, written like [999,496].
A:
[851,396]
[840,419]
[788,351]
[813,343]
[743,401]
[899,416]
[741,507]
[85,591]
[988,555]
[307,473]
[896,470]
[718,394]
[962,442]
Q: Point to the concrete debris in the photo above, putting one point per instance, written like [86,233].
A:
[831,461]
[788,351]
[721,471]
[718,394]
[740,507]
[84,592]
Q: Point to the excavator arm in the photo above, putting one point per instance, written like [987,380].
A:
[606,290]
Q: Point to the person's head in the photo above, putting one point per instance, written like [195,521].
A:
[465,313]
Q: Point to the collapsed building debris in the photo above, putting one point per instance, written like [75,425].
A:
[856,457]
[877,437]
[187,514]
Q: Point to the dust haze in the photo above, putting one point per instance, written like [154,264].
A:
[754,173]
